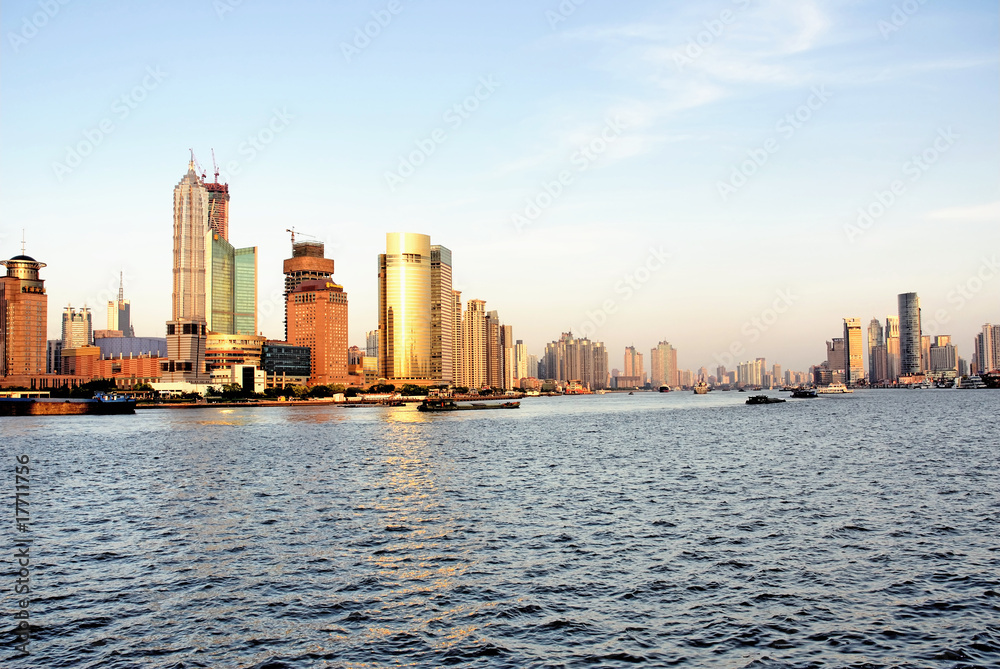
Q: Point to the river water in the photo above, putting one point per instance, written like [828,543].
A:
[655,529]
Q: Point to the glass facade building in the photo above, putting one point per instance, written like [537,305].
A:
[232,288]
[909,334]
[404,294]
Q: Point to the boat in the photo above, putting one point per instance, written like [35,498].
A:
[435,404]
[664,389]
[804,393]
[973,382]
[700,388]
[102,404]
[834,389]
[631,393]
[764,399]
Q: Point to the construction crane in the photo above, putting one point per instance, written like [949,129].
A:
[216,166]
[196,163]
[292,230]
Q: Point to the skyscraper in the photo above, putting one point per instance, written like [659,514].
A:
[663,365]
[317,318]
[231,286]
[507,356]
[875,338]
[457,341]
[23,318]
[854,365]
[404,315]
[474,345]
[892,348]
[909,334]
[308,263]
[77,327]
[494,359]
[120,311]
[442,316]
[218,206]
[188,327]
[987,349]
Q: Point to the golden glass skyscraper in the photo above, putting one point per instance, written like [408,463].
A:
[404,314]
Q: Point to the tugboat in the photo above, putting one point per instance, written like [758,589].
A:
[764,399]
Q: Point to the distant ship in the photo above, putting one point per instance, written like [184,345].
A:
[834,389]
[700,388]
[664,389]
[101,404]
[973,382]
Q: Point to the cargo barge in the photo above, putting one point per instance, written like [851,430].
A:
[102,404]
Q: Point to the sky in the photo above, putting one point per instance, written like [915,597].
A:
[734,176]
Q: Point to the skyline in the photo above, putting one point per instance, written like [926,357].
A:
[664,133]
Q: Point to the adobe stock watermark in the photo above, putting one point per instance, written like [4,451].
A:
[901,14]
[223,7]
[786,127]
[703,40]
[363,35]
[914,169]
[626,287]
[256,142]
[562,12]
[121,109]
[753,328]
[31,25]
[453,117]
[581,159]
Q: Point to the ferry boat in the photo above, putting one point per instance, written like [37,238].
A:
[804,393]
[834,389]
[700,388]
[764,399]
[973,382]
[664,389]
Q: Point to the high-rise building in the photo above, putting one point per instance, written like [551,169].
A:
[187,328]
[317,318]
[892,348]
[633,364]
[442,316]
[120,311]
[371,344]
[520,360]
[875,338]
[909,334]
[494,358]
[474,345]
[925,353]
[308,263]
[663,366]
[53,356]
[77,327]
[507,356]
[457,341]
[836,359]
[854,365]
[986,349]
[942,357]
[533,366]
[404,294]
[218,206]
[231,286]
[23,318]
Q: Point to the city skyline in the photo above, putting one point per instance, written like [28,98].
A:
[876,151]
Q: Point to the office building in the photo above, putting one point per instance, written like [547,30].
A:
[875,338]
[854,366]
[836,358]
[404,294]
[187,328]
[663,366]
[317,319]
[634,367]
[225,350]
[892,348]
[77,327]
[520,360]
[308,263]
[442,316]
[457,342]
[909,334]
[285,365]
[231,287]
[474,351]
[23,318]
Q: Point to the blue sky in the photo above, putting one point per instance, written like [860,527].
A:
[738,138]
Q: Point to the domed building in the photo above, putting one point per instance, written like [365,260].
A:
[23,318]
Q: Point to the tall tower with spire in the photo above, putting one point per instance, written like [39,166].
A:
[119,311]
[187,330]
